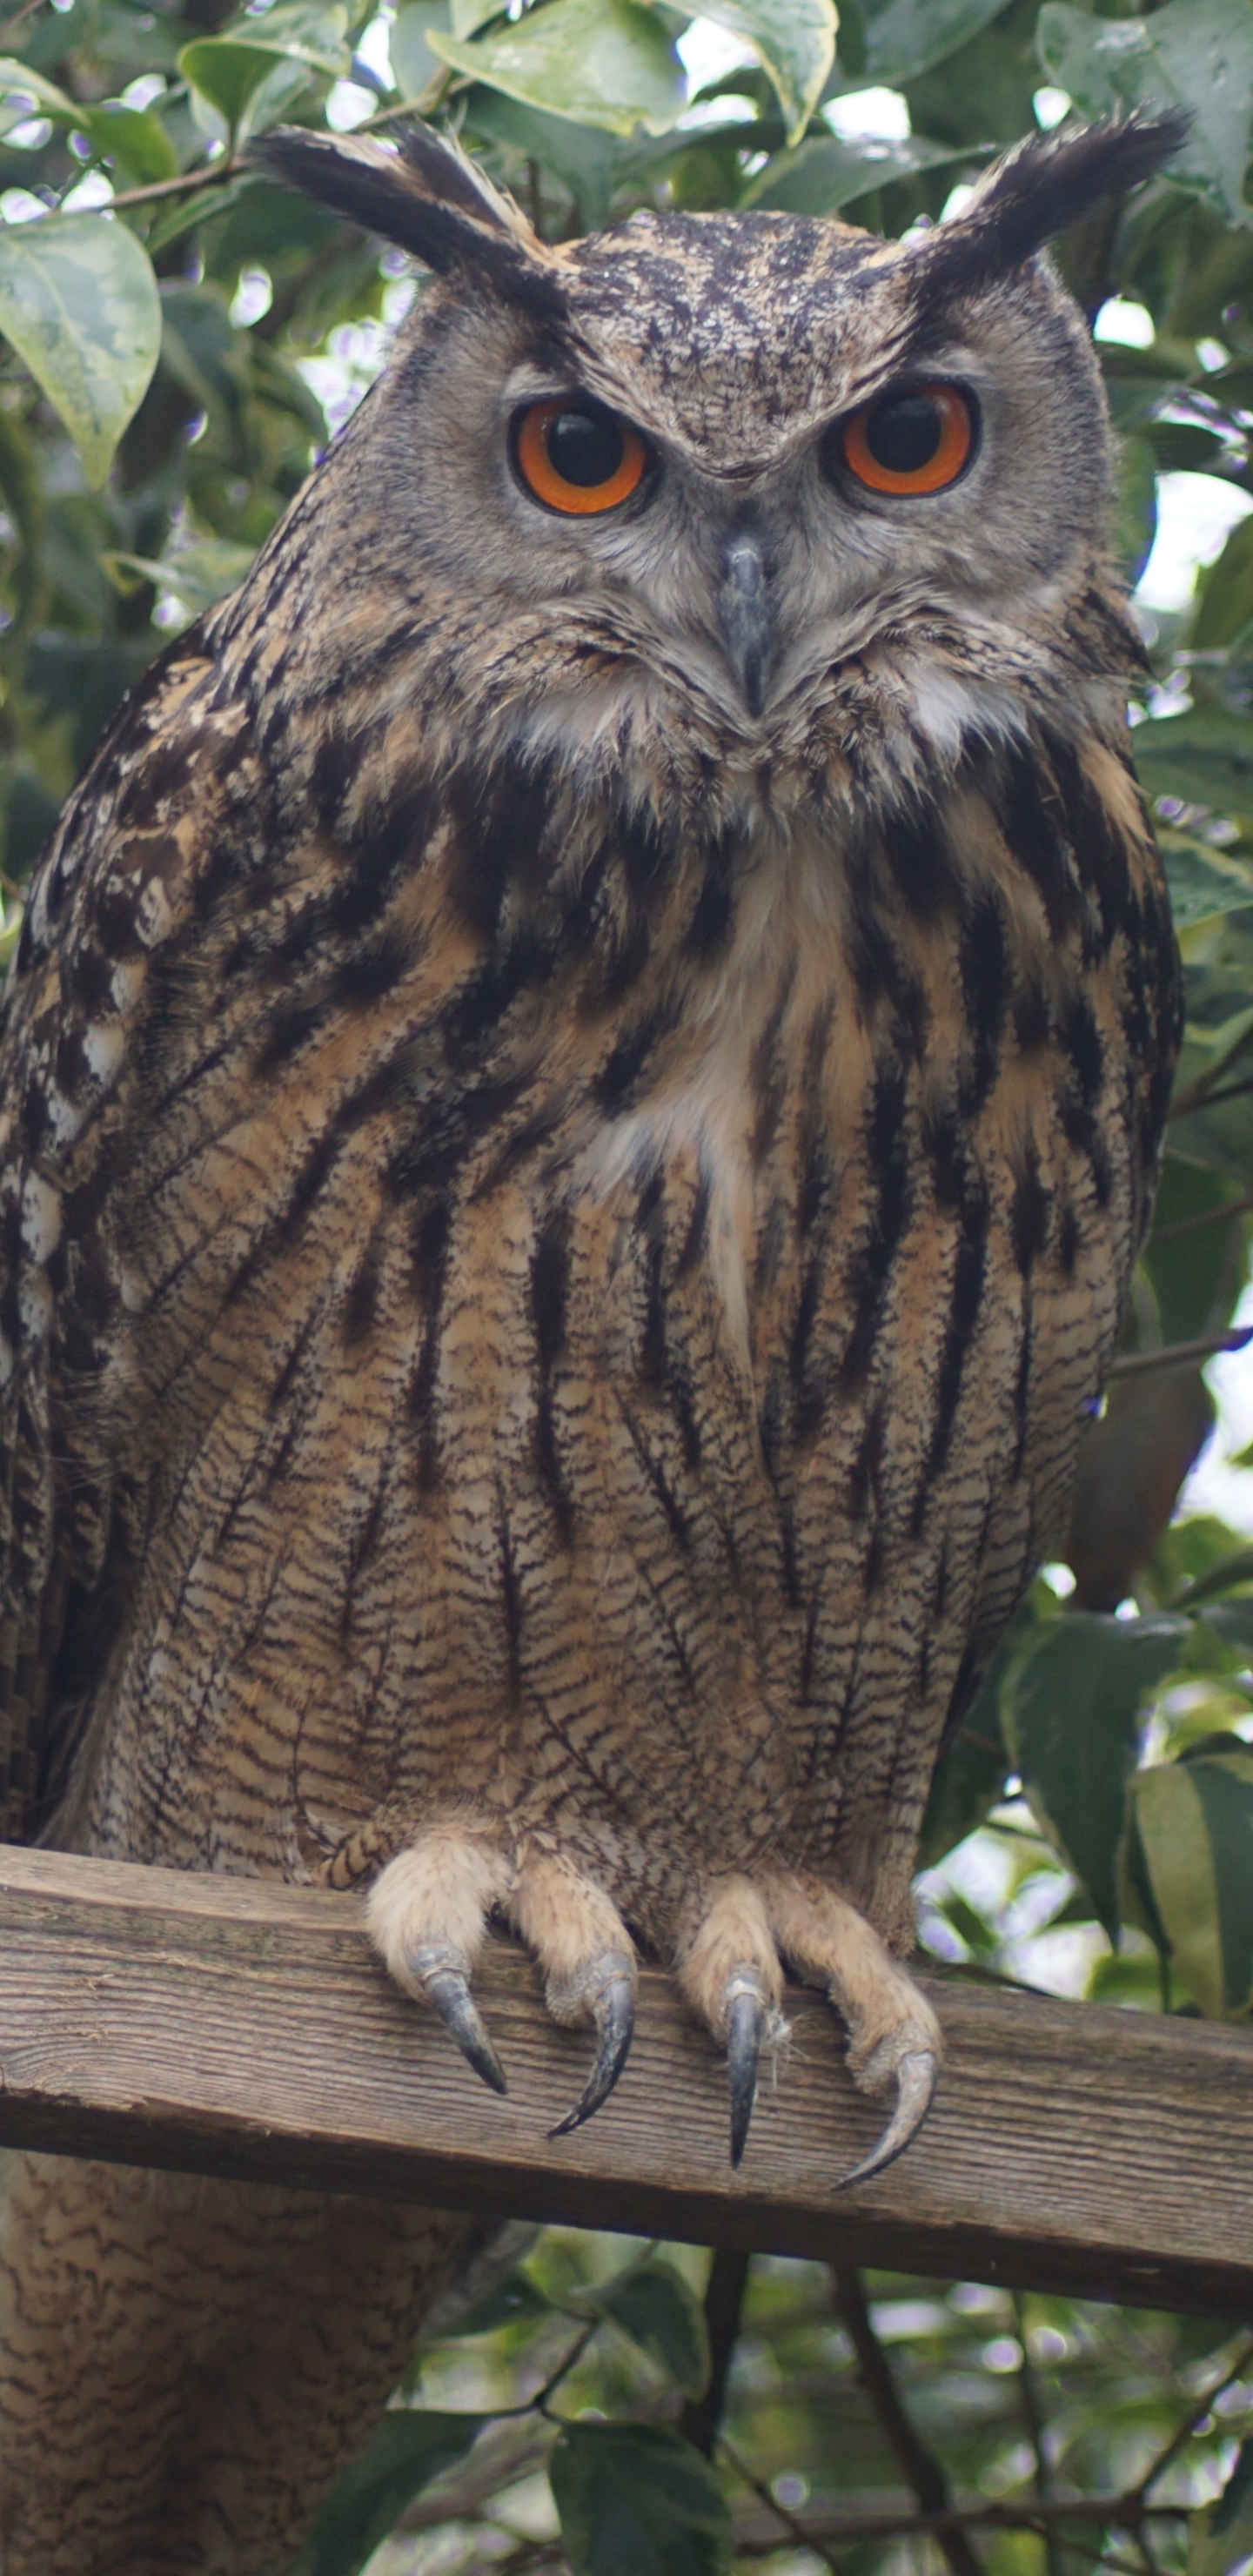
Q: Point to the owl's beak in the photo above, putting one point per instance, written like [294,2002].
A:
[744,616]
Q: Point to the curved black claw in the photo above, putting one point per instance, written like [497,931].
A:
[449,1991]
[613,2011]
[745,2031]
[916,2080]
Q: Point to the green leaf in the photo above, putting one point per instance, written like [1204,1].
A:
[794,40]
[290,42]
[1202,881]
[1219,2538]
[827,173]
[199,576]
[636,2500]
[1204,757]
[201,206]
[1135,524]
[1225,607]
[78,301]
[19,83]
[414,66]
[970,1775]
[134,137]
[583,157]
[601,62]
[657,2310]
[1195,54]
[407,2449]
[1070,1710]
[906,37]
[1194,1836]
[514,2302]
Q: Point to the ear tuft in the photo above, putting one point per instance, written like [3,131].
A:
[1041,188]
[425,195]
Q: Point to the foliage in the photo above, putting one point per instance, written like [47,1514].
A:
[1089,2435]
[171,324]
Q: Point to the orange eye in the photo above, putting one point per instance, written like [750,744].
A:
[917,441]
[576,458]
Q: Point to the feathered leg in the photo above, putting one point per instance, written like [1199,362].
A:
[186,2365]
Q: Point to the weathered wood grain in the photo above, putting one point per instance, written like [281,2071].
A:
[227,2026]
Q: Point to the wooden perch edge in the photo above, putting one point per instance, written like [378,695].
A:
[230,2026]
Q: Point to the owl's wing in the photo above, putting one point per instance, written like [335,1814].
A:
[135,842]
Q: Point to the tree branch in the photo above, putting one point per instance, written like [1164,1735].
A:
[210,177]
[1184,2432]
[1206,1216]
[1206,1347]
[922,2470]
[1197,1096]
[724,2300]
[1033,2419]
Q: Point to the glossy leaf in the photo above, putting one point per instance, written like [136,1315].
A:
[78,302]
[1202,881]
[135,138]
[794,41]
[414,66]
[514,2301]
[1225,607]
[906,37]
[1071,1712]
[828,173]
[602,62]
[407,2449]
[20,84]
[291,42]
[1194,1840]
[583,157]
[196,578]
[1223,2536]
[657,2310]
[1195,54]
[636,2500]
[971,1774]
[1135,525]
[1204,757]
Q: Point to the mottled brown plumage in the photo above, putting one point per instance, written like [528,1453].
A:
[568,1189]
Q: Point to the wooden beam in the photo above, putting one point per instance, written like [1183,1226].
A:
[230,2026]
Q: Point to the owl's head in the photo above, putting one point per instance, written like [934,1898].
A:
[715,464]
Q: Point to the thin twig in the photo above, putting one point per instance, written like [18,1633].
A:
[1194,2416]
[11,25]
[1197,1097]
[724,2299]
[816,2527]
[795,2530]
[1193,1224]
[1033,2419]
[922,2470]
[1207,1347]
[212,177]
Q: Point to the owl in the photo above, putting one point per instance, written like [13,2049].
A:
[581,1088]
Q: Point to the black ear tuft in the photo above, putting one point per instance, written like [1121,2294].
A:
[427,197]
[1043,187]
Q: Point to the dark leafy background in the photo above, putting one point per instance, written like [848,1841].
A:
[619,2410]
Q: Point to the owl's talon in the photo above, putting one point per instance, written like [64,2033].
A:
[612,2006]
[917,2076]
[448,1988]
[745,2031]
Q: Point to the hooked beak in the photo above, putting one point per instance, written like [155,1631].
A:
[744,616]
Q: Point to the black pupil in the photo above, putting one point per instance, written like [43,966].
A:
[584,447]
[903,433]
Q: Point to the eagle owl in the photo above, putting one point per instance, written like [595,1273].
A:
[580,1091]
